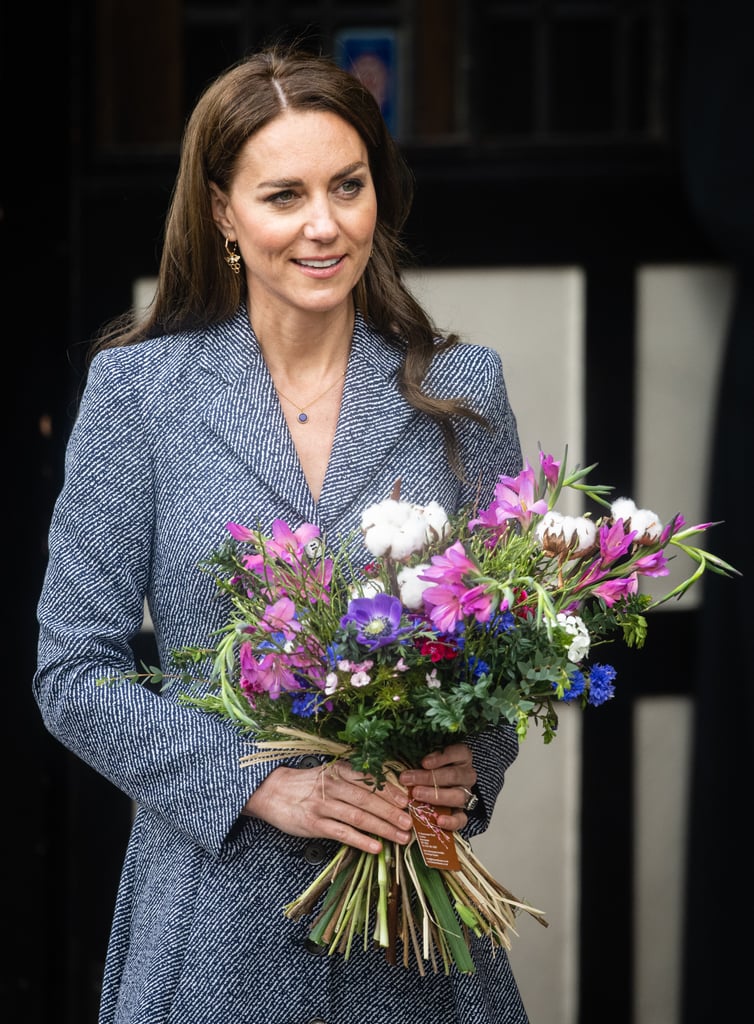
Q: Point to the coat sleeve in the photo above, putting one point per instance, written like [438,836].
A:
[181,763]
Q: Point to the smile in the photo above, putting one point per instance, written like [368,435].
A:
[319,264]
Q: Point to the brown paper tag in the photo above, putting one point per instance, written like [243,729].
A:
[438,847]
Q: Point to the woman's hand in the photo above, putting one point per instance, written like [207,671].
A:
[332,802]
[444,780]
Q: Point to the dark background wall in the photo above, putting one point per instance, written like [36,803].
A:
[539,133]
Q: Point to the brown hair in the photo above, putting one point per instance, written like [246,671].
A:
[194,286]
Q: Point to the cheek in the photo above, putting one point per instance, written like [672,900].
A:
[367,222]
[268,239]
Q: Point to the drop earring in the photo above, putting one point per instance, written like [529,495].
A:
[232,256]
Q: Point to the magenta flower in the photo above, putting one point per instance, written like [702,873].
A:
[614,542]
[479,603]
[449,567]
[288,544]
[271,673]
[655,564]
[444,608]
[515,498]
[280,617]
[614,590]
[675,525]
[550,468]
[242,533]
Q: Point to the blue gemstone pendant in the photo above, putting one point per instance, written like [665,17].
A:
[302,417]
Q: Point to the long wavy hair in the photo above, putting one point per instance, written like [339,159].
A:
[194,285]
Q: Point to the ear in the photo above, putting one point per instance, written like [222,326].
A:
[219,202]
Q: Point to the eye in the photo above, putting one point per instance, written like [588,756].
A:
[281,198]
[352,186]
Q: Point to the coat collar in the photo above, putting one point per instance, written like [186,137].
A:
[242,407]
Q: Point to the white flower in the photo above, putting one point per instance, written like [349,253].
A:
[360,679]
[399,528]
[432,681]
[411,587]
[645,522]
[574,625]
[331,683]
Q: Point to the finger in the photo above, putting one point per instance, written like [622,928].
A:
[291,799]
[439,780]
[454,754]
[351,786]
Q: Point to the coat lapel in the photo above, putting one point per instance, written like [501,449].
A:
[373,420]
[241,407]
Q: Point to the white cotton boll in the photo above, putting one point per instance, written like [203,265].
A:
[410,537]
[551,522]
[643,521]
[647,525]
[623,508]
[436,520]
[579,533]
[411,587]
[375,513]
[379,538]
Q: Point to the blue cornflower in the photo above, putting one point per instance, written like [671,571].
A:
[505,622]
[478,667]
[304,705]
[578,682]
[601,687]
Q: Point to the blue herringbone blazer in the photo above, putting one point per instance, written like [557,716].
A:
[174,437]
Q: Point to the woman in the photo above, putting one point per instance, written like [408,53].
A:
[283,371]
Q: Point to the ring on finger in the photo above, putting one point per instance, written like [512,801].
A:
[471,799]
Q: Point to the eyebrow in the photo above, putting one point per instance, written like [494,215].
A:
[358,165]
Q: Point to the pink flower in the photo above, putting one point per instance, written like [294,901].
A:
[242,533]
[290,544]
[280,617]
[655,564]
[515,498]
[449,567]
[444,607]
[614,542]
[270,674]
[613,590]
[550,468]
[479,603]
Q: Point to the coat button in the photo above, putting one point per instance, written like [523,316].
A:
[314,853]
[317,1020]
[309,761]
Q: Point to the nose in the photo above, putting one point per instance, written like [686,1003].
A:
[321,225]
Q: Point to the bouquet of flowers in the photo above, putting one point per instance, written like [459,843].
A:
[454,625]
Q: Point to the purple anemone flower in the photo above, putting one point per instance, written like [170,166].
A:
[377,620]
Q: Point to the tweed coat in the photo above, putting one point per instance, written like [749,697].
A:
[174,437]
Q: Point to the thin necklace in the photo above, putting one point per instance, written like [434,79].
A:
[302,414]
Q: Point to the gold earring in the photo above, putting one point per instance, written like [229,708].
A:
[232,256]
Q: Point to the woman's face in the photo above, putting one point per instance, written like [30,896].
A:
[302,207]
